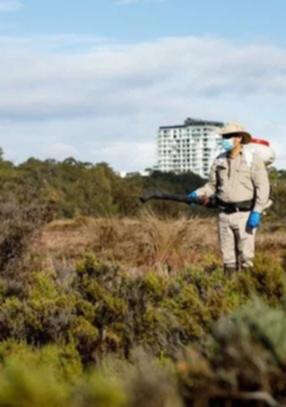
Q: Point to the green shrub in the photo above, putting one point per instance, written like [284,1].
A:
[245,352]
[23,387]
[99,391]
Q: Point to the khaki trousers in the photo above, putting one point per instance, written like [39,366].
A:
[236,243]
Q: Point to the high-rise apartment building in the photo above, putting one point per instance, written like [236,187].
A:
[188,147]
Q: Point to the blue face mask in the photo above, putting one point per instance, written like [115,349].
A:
[227,144]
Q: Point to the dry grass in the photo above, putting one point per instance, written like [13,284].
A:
[142,244]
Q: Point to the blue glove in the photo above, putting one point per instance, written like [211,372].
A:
[253,220]
[193,197]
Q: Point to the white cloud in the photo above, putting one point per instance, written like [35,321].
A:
[60,151]
[135,155]
[104,101]
[10,5]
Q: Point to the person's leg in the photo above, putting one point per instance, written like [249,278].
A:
[245,240]
[227,243]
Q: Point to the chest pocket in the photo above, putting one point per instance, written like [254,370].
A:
[244,172]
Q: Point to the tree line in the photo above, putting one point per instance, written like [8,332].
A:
[77,188]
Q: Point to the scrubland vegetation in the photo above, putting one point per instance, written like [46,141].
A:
[104,302]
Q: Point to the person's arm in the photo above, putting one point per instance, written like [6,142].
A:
[260,181]
[209,189]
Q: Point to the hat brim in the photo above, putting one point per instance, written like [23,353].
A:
[246,137]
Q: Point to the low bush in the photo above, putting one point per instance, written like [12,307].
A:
[102,309]
[244,357]
[241,361]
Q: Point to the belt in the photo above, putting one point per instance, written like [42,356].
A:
[232,207]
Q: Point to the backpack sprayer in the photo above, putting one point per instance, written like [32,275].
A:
[263,149]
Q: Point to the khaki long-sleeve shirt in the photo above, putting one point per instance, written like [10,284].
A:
[238,179]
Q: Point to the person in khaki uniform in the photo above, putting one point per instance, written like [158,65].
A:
[239,181]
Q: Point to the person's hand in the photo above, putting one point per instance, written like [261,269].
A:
[204,200]
[193,197]
[254,220]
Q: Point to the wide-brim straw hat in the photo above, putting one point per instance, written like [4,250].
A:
[235,128]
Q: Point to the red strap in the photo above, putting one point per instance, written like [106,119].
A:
[260,141]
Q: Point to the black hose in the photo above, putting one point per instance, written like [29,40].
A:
[165,197]
[209,203]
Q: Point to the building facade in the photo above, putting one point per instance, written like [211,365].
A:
[188,147]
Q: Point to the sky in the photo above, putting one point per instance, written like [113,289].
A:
[95,79]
